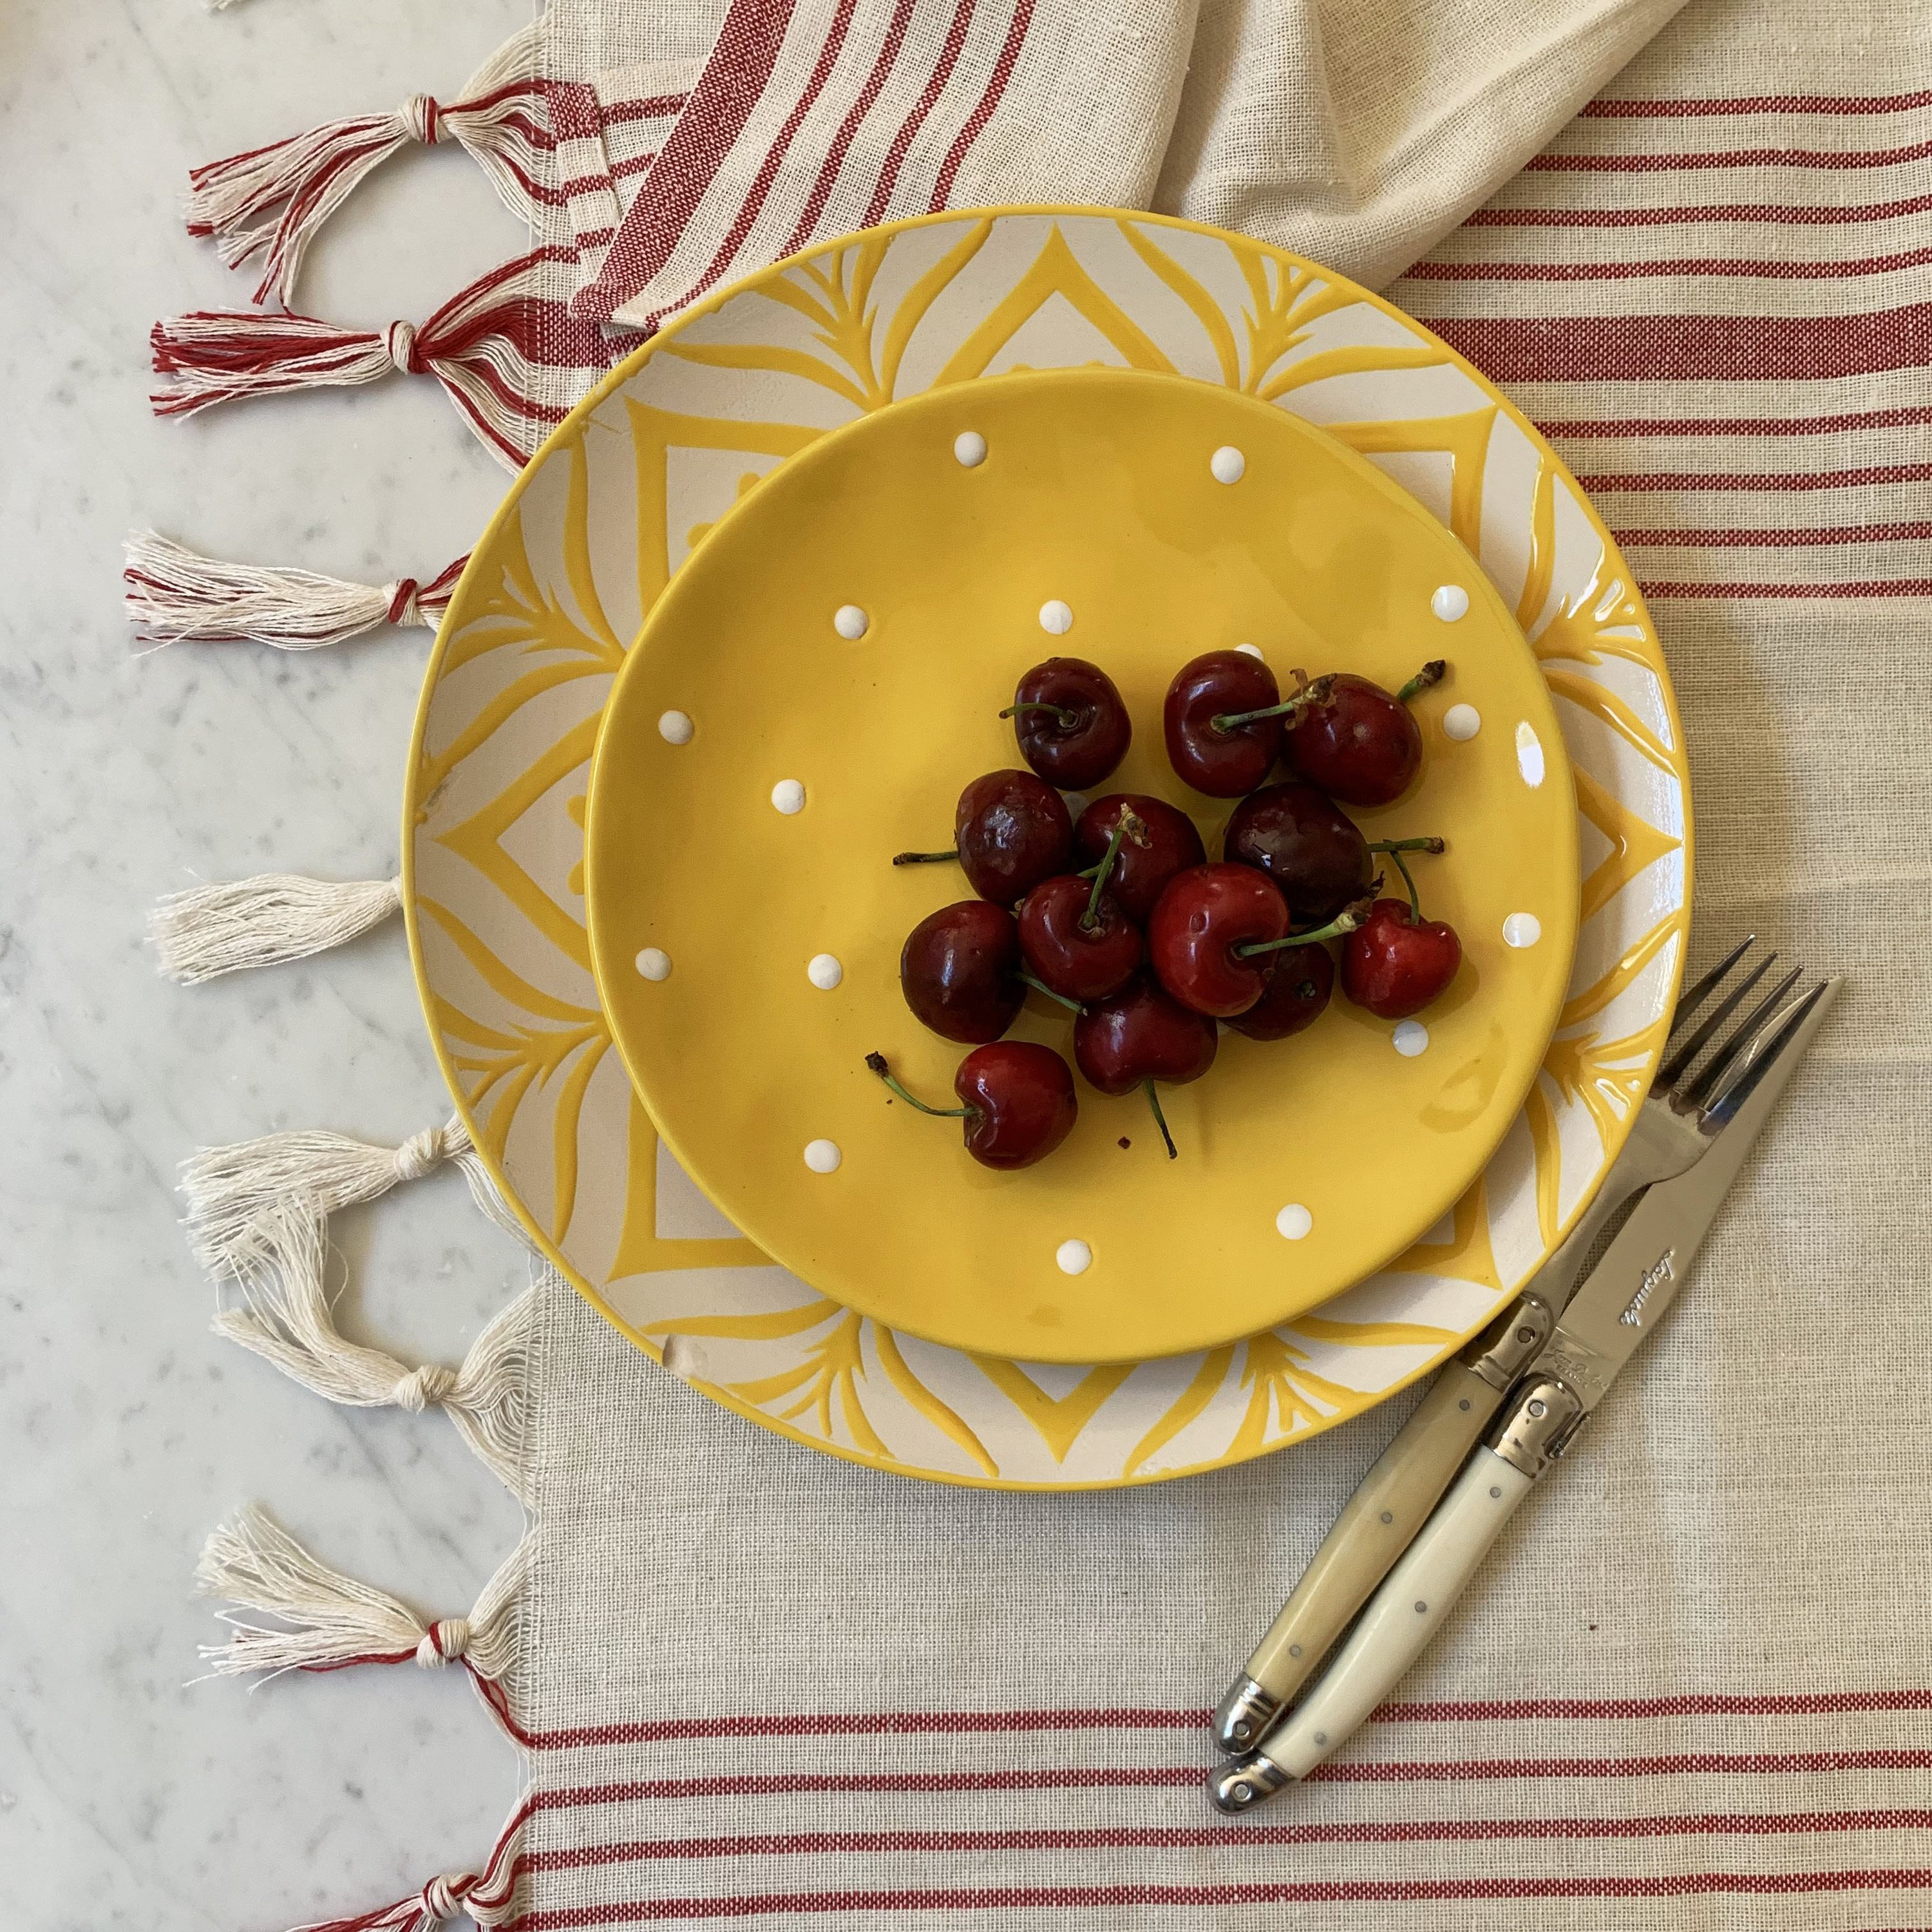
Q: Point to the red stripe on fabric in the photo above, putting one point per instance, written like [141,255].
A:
[1779,539]
[1187,1837]
[574,112]
[1712,348]
[1699,1704]
[1813,479]
[1581,429]
[617,113]
[733,81]
[1902,586]
[935,85]
[1804,214]
[1306,1891]
[1758,268]
[1755,103]
[976,121]
[791,1784]
[835,158]
[1735,157]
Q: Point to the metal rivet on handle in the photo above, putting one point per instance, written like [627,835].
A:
[1539,1407]
[1388,1516]
[1420,1609]
[1322,1737]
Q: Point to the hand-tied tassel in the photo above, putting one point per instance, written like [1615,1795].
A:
[329,1622]
[207,930]
[488,346]
[500,119]
[176,596]
[285,1318]
[489,1897]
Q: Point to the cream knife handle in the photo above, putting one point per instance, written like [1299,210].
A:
[1383,1516]
[1406,1613]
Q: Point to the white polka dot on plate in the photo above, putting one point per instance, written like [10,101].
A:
[823,1157]
[969,446]
[850,623]
[1450,602]
[675,728]
[654,963]
[1249,650]
[788,796]
[1073,1257]
[1293,1223]
[1521,928]
[824,971]
[1461,722]
[1410,1038]
[1056,619]
[1228,464]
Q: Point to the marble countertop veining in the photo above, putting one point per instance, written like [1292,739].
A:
[129,1797]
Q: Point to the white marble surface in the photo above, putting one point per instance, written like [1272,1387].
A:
[127,1796]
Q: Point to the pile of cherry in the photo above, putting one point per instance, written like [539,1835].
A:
[1120,918]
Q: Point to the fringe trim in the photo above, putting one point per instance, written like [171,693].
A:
[489,1897]
[207,930]
[285,1318]
[502,120]
[331,1620]
[174,594]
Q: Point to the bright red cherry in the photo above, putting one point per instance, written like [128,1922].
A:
[1363,745]
[1072,727]
[1223,720]
[1138,1035]
[1016,1099]
[1079,944]
[1397,962]
[959,969]
[1299,980]
[1145,865]
[1011,830]
[1213,931]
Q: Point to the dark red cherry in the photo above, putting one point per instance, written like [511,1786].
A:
[959,969]
[1138,1035]
[1077,947]
[1363,746]
[1016,1099]
[1306,844]
[1222,759]
[1072,727]
[1143,867]
[1396,962]
[1297,983]
[1010,831]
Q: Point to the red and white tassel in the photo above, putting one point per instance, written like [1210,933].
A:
[491,1897]
[500,119]
[207,930]
[489,346]
[326,1620]
[176,596]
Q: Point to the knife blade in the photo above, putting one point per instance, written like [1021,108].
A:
[1630,1290]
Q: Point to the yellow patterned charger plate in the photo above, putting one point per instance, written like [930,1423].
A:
[584,545]
[758,766]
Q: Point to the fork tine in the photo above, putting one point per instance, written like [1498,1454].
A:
[1692,997]
[1668,1073]
[1724,1109]
[1742,1042]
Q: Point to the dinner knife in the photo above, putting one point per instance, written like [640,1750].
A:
[1627,1294]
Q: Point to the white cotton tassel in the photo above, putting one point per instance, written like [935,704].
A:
[174,594]
[326,1620]
[207,930]
[285,1318]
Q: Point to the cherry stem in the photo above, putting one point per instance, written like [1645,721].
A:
[923,858]
[1316,693]
[1066,719]
[1346,920]
[876,1062]
[1041,986]
[1430,674]
[1160,1120]
[1408,880]
[1125,825]
[1394,845]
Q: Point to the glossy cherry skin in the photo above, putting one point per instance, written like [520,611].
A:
[1022,1103]
[1299,979]
[1392,967]
[1307,845]
[1204,913]
[1012,830]
[1081,749]
[1363,746]
[1139,1034]
[1078,961]
[1140,872]
[959,971]
[1224,764]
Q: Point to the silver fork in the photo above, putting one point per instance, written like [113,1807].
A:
[1688,1106]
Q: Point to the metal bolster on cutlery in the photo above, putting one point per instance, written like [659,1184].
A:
[1394,1499]
[1628,1293]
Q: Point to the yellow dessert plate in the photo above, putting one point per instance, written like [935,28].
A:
[809,696]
